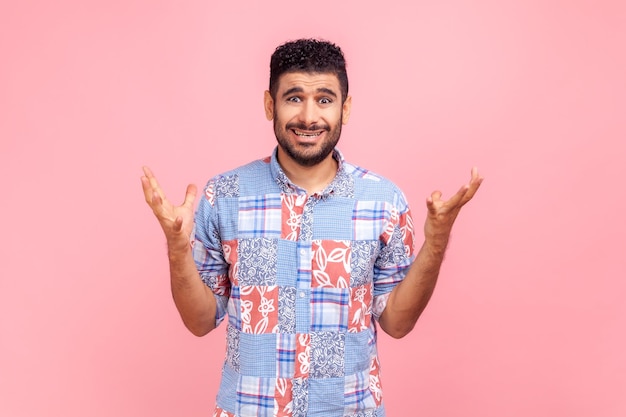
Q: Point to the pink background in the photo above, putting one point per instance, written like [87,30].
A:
[529,315]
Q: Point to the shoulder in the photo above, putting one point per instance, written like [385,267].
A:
[252,167]
[242,180]
[370,184]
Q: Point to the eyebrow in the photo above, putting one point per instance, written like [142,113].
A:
[325,90]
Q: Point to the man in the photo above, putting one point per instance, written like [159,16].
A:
[304,253]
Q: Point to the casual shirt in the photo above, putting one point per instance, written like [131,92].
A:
[301,279]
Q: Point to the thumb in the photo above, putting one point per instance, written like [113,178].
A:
[190,195]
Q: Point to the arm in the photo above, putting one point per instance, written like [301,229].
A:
[409,298]
[194,300]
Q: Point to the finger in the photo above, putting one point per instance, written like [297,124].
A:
[151,178]
[430,205]
[457,199]
[154,197]
[476,179]
[157,200]
[190,195]
[436,195]
[431,201]
[473,186]
[153,181]
[147,189]
[154,201]
[147,172]
[467,191]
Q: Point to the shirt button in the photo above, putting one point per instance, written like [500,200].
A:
[302,251]
[302,294]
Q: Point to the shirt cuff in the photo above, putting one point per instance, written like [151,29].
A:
[379,304]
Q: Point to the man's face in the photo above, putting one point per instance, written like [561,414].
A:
[307,113]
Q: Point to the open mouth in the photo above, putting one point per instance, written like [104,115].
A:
[307,134]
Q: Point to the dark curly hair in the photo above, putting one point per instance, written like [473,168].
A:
[311,56]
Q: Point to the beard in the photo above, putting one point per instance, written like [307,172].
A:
[307,155]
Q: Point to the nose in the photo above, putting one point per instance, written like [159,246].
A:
[309,114]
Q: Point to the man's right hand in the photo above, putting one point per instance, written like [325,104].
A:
[194,300]
[176,221]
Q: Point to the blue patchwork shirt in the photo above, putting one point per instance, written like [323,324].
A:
[301,280]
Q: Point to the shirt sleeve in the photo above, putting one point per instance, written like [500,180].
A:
[208,253]
[396,255]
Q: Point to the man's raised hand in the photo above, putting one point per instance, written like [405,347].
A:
[442,214]
[176,221]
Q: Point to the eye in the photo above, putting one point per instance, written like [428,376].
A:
[325,100]
[294,99]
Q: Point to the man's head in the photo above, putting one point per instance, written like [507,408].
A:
[312,56]
[308,101]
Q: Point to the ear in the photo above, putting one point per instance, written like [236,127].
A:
[268,102]
[347,106]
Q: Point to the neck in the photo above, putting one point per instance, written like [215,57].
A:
[313,179]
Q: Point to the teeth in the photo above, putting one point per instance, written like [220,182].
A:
[307,135]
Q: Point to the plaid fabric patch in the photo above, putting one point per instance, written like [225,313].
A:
[285,355]
[234,308]
[357,393]
[260,216]
[369,219]
[329,309]
[255,396]
[304,263]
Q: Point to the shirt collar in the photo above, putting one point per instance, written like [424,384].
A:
[288,187]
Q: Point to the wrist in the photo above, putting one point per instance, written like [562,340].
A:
[436,244]
[177,248]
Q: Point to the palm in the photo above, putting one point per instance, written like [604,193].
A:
[170,213]
[443,213]
[176,221]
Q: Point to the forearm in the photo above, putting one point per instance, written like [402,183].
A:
[408,299]
[194,300]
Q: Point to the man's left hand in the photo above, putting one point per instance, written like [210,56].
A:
[442,214]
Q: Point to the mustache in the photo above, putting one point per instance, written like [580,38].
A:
[303,127]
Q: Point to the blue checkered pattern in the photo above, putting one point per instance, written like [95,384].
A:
[369,219]
[357,394]
[285,355]
[243,211]
[329,309]
[259,216]
[255,396]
